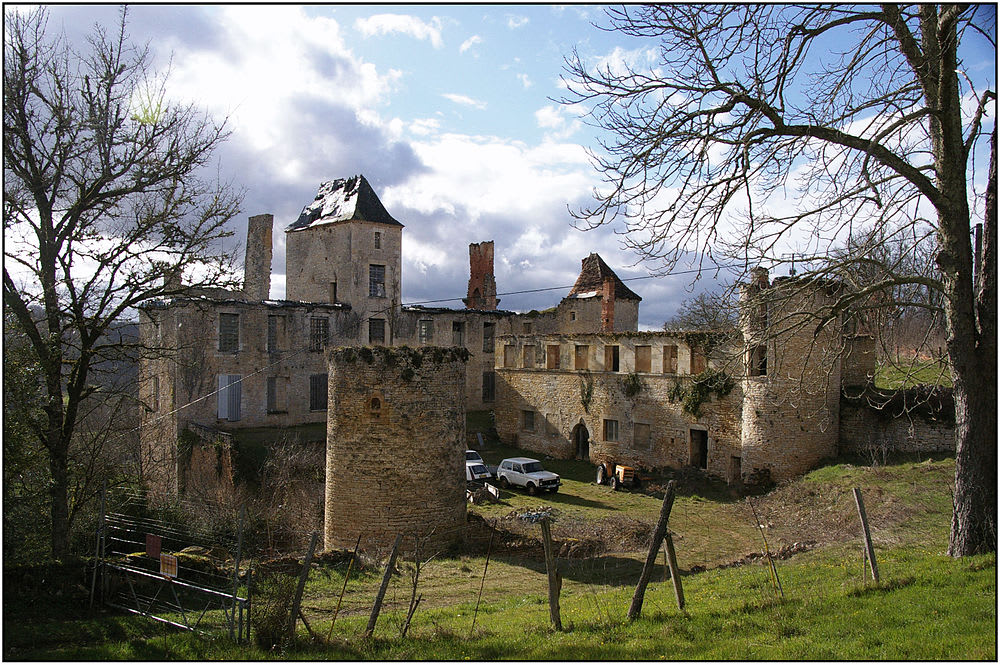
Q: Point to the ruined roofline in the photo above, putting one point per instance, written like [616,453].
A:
[163,303]
[459,310]
[343,200]
[631,334]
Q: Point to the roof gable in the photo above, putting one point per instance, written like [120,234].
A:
[342,200]
[593,272]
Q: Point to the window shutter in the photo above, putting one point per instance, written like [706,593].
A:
[223,396]
[235,386]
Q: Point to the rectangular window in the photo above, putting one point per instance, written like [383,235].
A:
[642,438]
[229,332]
[508,355]
[527,326]
[378,240]
[643,358]
[229,396]
[156,393]
[572,316]
[457,333]
[376,331]
[552,356]
[610,430]
[670,359]
[333,292]
[272,394]
[317,392]
[611,358]
[489,330]
[319,333]
[272,333]
[425,331]
[757,361]
[582,356]
[528,356]
[489,386]
[698,361]
[528,421]
[376,281]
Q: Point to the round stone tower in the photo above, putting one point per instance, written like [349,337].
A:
[791,405]
[395,460]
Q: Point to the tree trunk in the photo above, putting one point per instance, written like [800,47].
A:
[974,517]
[59,500]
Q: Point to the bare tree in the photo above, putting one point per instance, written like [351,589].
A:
[105,207]
[866,111]
[705,311]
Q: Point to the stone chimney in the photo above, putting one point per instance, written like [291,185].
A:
[482,284]
[257,264]
[608,305]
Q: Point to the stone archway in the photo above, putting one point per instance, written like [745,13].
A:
[581,439]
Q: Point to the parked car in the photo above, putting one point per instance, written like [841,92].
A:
[473,456]
[527,473]
[477,472]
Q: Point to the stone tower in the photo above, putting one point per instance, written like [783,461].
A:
[791,406]
[395,461]
[482,283]
[257,263]
[345,247]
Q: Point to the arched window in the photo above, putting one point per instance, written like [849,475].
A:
[375,407]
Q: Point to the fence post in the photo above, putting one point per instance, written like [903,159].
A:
[675,573]
[661,529]
[385,585]
[489,550]
[347,575]
[555,579]
[301,587]
[98,555]
[867,534]
[236,571]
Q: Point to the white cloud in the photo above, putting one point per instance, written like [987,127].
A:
[384,24]
[464,100]
[469,43]
[514,21]
[559,120]
[525,80]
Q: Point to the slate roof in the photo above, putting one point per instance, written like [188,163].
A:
[591,280]
[343,200]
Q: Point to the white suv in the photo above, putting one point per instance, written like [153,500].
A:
[527,473]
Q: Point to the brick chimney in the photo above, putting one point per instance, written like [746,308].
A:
[482,284]
[608,305]
[257,263]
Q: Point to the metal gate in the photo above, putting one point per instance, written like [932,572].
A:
[161,566]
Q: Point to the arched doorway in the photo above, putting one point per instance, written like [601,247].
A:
[581,438]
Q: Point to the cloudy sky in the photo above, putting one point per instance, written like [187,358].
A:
[446,110]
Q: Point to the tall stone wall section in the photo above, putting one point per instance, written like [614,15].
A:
[864,431]
[791,413]
[562,400]
[395,447]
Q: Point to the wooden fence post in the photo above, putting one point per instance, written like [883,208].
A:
[555,579]
[347,575]
[661,529]
[867,534]
[385,585]
[301,587]
[675,573]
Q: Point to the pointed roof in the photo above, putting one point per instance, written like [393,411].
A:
[591,280]
[343,200]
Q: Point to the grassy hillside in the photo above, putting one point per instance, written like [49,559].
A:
[928,606]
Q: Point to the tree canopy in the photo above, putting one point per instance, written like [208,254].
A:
[817,133]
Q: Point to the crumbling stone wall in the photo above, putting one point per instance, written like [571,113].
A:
[395,442]
[565,399]
[867,432]
[791,413]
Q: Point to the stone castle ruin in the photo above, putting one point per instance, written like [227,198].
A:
[341,366]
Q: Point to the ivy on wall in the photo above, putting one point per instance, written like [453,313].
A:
[700,390]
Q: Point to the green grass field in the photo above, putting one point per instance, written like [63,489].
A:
[928,605]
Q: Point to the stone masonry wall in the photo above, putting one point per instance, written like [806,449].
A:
[556,398]
[867,432]
[395,442]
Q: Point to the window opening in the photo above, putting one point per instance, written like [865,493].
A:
[489,330]
[319,333]
[528,356]
[376,331]
[229,332]
[611,358]
[610,430]
[457,333]
[317,392]
[582,356]
[376,281]
[670,359]
[643,358]
[425,331]
[489,386]
[552,356]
